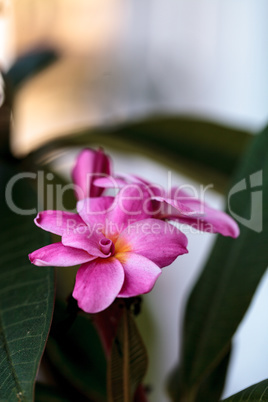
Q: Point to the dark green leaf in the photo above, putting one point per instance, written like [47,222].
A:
[255,393]
[5,120]
[128,361]
[5,115]
[76,354]
[226,286]
[212,386]
[204,150]
[46,393]
[29,64]
[26,294]
[205,143]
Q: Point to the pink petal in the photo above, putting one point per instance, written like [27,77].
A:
[213,222]
[90,164]
[132,203]
[140,274]
[133,178]
[171,206]
[58,222]
[152,188]
[110,182]
[98,284]
[154,239]
[58,255]
[122,180]
[93,211]
[88,240]
[193,212]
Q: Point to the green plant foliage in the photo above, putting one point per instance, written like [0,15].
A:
[128,362]
[256,393]
[26,294]
[226,286]
[5,115]
[214,383]
[46,393]
[204,150]
[76,355]
[206,143]
[28,65]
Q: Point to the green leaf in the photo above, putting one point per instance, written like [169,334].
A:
[76,355]
[205,143]
[211,387]
[26,293]
[5,115]
[255,393]
[226,286]
[203,150]
[128,361]
[28,65]
[5,120]
[47,393]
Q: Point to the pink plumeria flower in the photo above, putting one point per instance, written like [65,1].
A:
[178,206]
[119,246]
[89,165]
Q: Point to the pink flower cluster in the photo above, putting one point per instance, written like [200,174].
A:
[121,241]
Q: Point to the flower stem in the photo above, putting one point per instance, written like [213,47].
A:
[126,362]
[107,324]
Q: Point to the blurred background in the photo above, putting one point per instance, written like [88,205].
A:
[122,61]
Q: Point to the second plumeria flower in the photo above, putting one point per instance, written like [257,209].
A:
[90,164]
